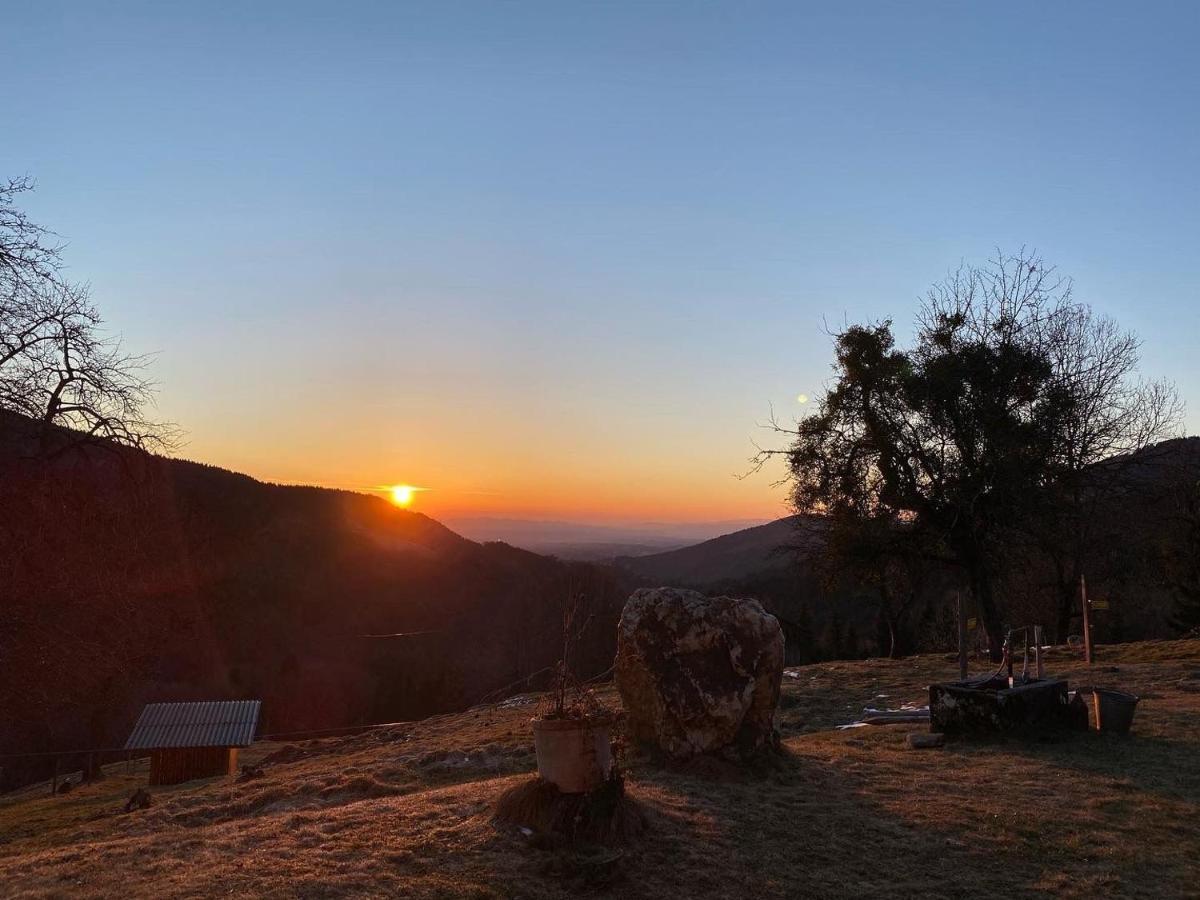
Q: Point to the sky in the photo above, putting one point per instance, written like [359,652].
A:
[560,259]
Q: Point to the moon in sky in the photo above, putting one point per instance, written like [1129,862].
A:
[802,398]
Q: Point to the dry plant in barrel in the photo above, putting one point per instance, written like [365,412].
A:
[569,696]
[579,795]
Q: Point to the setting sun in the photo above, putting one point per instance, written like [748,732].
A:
[402,494]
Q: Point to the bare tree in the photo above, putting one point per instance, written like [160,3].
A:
[26,257]
[1110,418]
[57,367]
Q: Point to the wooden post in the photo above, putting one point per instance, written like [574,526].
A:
[1008,660]
[1037,652]
[54,780]
[1087,621]
[962,638]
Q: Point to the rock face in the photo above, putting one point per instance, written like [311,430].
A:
[699,674]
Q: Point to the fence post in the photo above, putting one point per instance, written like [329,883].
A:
[1037,652]
[54,780]
[962,638]
[1087,621]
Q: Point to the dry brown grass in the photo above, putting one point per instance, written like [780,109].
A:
[409,811]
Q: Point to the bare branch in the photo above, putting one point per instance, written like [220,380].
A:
[57,366]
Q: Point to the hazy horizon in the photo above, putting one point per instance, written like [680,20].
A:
[556,262]
[543,535]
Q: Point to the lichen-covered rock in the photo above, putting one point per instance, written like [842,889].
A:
[699,674]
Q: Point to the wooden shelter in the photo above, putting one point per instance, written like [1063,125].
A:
[194,740]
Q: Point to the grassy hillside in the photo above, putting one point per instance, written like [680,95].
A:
[407,810]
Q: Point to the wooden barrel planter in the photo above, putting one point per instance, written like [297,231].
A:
[573,754]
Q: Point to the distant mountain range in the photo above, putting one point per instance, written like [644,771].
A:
[591,541]
[728,558]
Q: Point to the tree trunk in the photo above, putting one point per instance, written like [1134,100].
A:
[889,620]
[981,587]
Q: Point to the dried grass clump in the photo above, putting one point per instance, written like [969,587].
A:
[604,816]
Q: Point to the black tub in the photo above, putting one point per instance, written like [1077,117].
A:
[992,706]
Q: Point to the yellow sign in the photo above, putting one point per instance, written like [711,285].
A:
[1099,604]
[971,624]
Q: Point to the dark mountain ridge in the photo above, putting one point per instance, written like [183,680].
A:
[127,577]
[740,554]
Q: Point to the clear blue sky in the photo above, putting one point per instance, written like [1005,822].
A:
[559,257]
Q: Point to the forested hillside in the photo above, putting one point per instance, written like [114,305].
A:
[127,577]
[1141,560]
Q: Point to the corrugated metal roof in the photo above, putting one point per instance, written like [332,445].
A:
[207,723]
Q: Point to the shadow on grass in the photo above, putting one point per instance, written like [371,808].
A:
[794,829]
[1163,766]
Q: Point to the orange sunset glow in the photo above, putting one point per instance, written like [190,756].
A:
[522,476]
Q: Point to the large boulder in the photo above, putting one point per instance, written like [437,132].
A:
[699,674]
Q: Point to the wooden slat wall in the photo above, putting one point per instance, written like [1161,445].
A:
[184,764]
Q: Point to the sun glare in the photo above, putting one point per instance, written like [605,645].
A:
[402,494]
